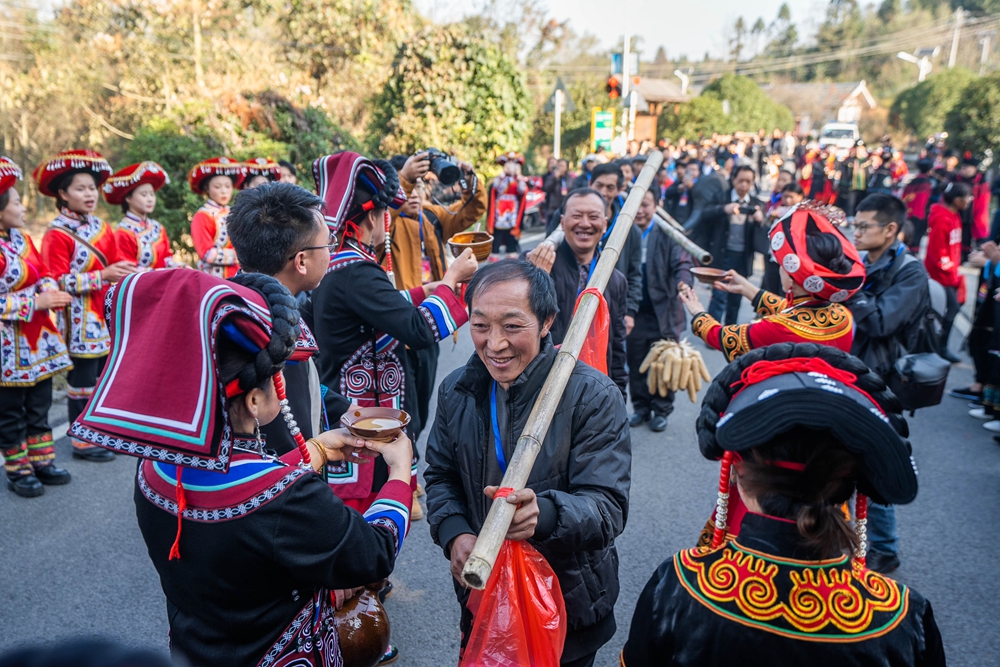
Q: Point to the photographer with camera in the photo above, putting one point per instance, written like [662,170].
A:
[733,228]
[419,231]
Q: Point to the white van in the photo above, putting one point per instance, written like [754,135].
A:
[841,136]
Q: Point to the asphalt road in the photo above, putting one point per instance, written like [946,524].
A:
[73,561]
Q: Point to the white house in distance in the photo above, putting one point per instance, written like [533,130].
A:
[814,104]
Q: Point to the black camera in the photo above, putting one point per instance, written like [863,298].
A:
[447,172]
[748,210]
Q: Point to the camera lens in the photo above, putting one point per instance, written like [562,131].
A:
[445,170]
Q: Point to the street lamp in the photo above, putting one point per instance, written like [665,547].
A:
[921,58]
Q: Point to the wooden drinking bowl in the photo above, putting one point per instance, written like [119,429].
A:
[706,274]
[365,423]
[480,242]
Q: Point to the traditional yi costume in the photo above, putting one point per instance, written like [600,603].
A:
[76,249]
[756,593]
[140,240]
[818,317]
[208,226]
[506,207]
[31,352]
[248,545]
[260,166]
[362,323]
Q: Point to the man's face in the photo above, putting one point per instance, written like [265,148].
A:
[644,214]
[584,223]
[411,208]
[318,259]
[743,182]
[627,172]
[562,167]
[869,234]
[607,185]
[506,334]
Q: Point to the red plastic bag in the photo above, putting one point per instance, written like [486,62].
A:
[520,617]
[595,348]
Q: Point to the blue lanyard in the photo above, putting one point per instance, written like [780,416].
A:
[648,230]
[590,271]
[497,441]
[611,226]
[420,221]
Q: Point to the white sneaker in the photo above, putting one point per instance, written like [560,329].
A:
[993,426]
[980,413]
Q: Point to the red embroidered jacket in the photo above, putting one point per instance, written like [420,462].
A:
[216,255]
[145,243]
[806,320]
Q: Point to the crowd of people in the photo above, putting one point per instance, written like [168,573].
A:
[302,307]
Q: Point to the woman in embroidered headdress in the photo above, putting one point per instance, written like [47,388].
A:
[215,178]
[361,322]
[31,349]
[819,270]
[800,429]
[259,171]
[248,545]
[140,238]
[81,253]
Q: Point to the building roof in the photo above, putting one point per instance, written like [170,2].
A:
[661,91]
[818,98]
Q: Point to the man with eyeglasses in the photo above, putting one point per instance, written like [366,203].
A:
[277,229]
[888,312]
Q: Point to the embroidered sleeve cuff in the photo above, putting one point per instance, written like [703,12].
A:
[17,306]
[415,296]
[82,283]
[391,510]
[444,312]
[702,326]
[47,284]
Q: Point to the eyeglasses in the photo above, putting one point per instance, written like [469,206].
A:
[330,248]
[864,227]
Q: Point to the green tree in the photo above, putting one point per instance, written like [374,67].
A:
[240,126]
[749,110]
[455,91]
[974,125]
[923,108]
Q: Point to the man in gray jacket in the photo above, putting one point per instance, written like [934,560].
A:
[576,500]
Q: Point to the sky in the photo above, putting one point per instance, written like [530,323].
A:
[682,27]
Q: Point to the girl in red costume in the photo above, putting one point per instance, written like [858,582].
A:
[140,238]
[31,349]
[819,269]
[944,251]
[81,253]
[216,178]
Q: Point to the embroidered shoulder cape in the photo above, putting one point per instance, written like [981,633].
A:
[144,242]
[210,237]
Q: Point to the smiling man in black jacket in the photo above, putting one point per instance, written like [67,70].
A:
[576,501]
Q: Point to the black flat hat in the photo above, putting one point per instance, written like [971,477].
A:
[815,400]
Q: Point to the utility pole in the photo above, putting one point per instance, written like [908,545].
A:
[557,141]
[959,15]
[984,41]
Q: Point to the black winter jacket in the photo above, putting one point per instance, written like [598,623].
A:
[889,309]
[581,476]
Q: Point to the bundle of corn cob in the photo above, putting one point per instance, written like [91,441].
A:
[673,366]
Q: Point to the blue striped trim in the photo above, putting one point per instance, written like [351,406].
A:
[406,295]
[397,515]
[438,310]
[195,479]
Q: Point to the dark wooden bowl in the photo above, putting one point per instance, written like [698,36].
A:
[480,242]
[707,275]
[363,629]
[355,418]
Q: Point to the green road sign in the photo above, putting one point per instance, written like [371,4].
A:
[602,128]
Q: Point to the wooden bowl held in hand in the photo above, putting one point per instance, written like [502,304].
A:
[381,424]
[363,630]
[707,275]
[480,242]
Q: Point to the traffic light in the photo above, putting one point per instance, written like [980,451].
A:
[614,88]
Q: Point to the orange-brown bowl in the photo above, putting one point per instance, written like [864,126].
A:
[480,242]
[381,424]
[706,274]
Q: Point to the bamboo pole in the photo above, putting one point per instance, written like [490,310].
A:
[666,223]
[484,554]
